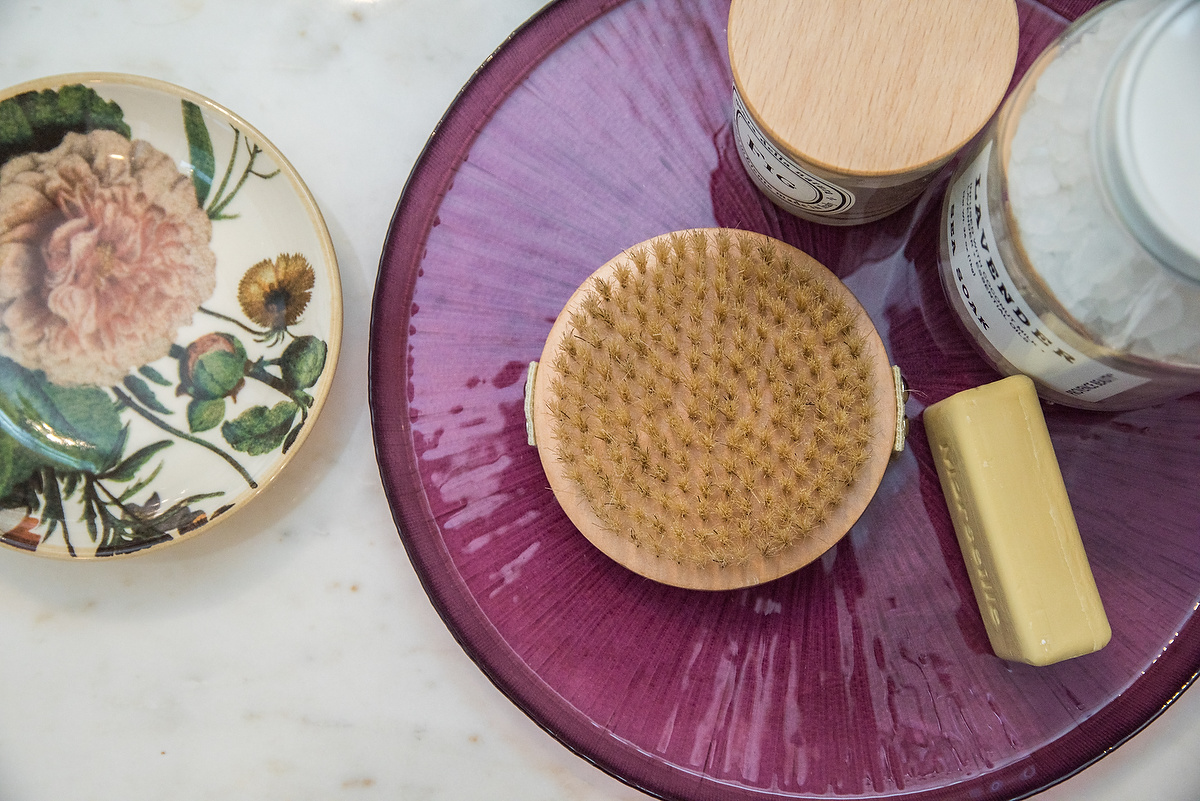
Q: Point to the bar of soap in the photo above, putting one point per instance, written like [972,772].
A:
[1014,523]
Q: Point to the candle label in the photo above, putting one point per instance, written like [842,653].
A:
[999,311]
[786,182]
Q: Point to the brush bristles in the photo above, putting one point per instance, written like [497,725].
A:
[714,400]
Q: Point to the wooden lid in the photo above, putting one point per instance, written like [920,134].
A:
[872,87]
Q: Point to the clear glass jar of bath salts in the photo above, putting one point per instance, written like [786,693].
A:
[1070,242]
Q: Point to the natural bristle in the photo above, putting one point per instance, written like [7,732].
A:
[713,399]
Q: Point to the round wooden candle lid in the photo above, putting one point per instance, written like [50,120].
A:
[872,87]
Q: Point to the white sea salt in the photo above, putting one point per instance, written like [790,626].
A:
[1071,235]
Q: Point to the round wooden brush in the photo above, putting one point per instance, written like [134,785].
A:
[714,409]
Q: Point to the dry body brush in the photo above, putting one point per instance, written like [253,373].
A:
[714,409]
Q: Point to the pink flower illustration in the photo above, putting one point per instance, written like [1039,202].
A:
[104,255]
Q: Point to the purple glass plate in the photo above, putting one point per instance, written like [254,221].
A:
[865,675]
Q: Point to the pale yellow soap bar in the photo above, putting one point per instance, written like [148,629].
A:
[1015,525]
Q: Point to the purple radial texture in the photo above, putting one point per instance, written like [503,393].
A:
[867,674]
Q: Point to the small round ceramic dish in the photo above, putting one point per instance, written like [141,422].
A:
[170,314]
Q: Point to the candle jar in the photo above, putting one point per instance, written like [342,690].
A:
[1070,241]
[844,112]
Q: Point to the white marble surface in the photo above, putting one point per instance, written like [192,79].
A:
[291,653]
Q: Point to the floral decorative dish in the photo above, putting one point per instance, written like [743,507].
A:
[170,314]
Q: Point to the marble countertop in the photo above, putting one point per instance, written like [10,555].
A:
[291,652]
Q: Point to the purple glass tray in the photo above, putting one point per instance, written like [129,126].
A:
[865,675]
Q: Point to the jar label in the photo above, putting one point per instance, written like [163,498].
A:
[790,185]
[999,311]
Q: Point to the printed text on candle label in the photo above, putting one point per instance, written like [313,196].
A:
[999,311]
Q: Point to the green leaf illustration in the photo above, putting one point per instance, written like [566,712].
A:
[141,390]
[204,164]
[128,469]
[291,437]
[205,414]
[154,376]
[302,361]
[53,499]
[135,488]
[35,122]
[17,464]
[70,484]
[75,428]
[260,430]
[95,419]
[25,494]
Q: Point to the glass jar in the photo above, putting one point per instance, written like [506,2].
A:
[1070,242]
